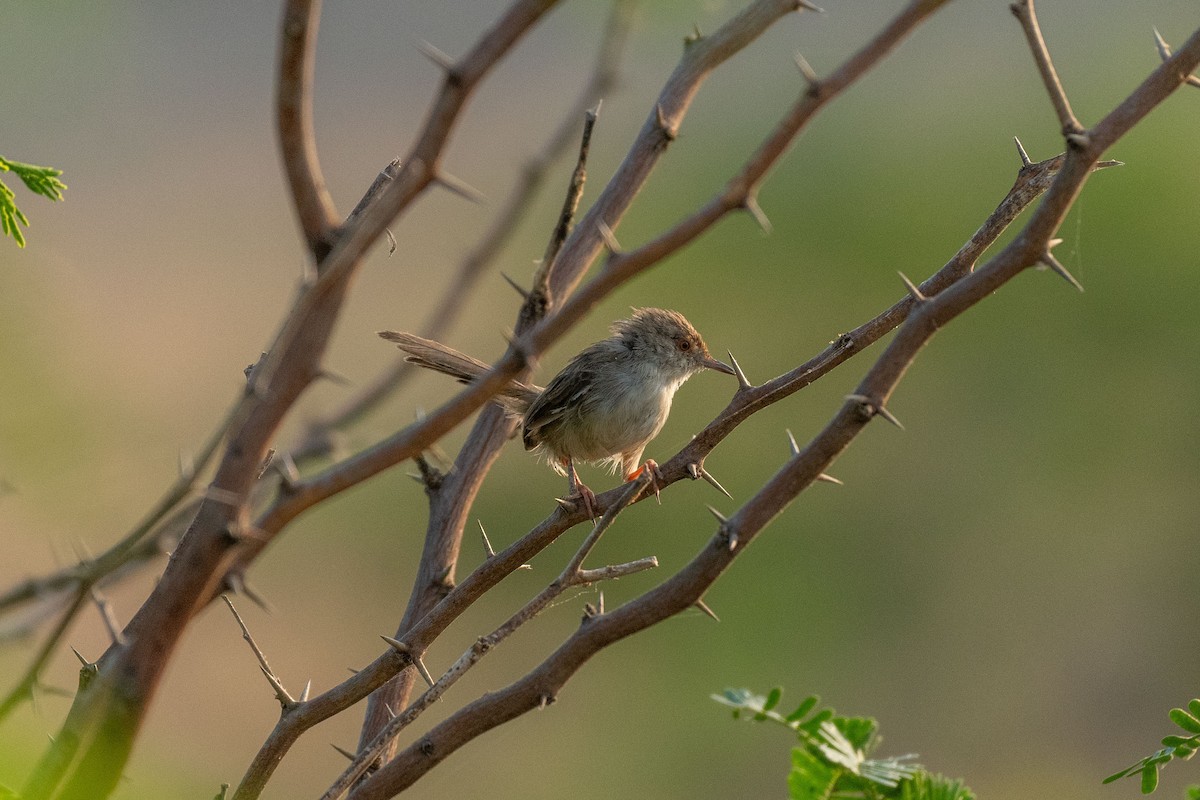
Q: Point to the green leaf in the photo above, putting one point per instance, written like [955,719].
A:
[1149,778]
[1184,720]
[773,699]
[859,730]
[40,180]
[928,786]
[1193,792]
[1176,741]
[802,710]
[1125,773]
[1194,707]
[811,778]
[10,216]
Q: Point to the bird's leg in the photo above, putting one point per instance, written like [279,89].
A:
[650,468]
[586,495]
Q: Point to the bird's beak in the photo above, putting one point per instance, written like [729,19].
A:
[719,366]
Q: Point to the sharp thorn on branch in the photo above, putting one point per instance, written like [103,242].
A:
[743,381]
[79,655]
[397,645]
[750,204]
[304,694]
[708,612]
[1025,161]
[187,466]
[487,545]
[391,241]
[721,518]
[795,448]
[806,71]
[823,478]
[889,416]
[343,751]
[913,289]
[872,408]
[807,6]
[610,238]
[1164,49]
[391,712]
[524,294]
[1053,263]
[713,482]
[436,55]
[460,187]
[289,473]
[421,668]
[593,114]
[1099,165]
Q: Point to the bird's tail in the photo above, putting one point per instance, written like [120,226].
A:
[514,398]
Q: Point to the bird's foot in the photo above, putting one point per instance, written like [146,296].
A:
[581,496]
[651,474]
[588,498]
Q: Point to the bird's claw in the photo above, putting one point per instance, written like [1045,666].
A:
[588,498]
[652,475]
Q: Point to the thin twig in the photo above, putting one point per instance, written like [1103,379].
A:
[281,694]
[1023,11]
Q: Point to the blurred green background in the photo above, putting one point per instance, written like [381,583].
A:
[1004,585]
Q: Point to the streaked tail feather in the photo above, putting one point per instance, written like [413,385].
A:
[436,356]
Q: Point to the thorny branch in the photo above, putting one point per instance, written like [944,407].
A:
[88,755]
[686,587]
[699,59]
[572,575]
[99,730]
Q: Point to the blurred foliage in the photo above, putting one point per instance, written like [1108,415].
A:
[833,757]
[39,180]
[1174,746]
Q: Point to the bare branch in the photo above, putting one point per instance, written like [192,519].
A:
[286,701]
[1164,52]
[297,140]
[1023,11]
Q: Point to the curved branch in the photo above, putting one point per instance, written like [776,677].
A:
[294,122]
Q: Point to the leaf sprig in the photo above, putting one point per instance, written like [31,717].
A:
[39,180]
[833,760]
[1175,746]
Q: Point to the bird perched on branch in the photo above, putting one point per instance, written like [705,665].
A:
[605,405]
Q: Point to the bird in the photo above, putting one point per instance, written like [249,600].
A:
[605,405]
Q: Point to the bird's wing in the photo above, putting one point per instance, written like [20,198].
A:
[560,395]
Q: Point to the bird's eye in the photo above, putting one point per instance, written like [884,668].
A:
[684,344]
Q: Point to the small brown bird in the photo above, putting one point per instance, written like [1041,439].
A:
[605,405]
